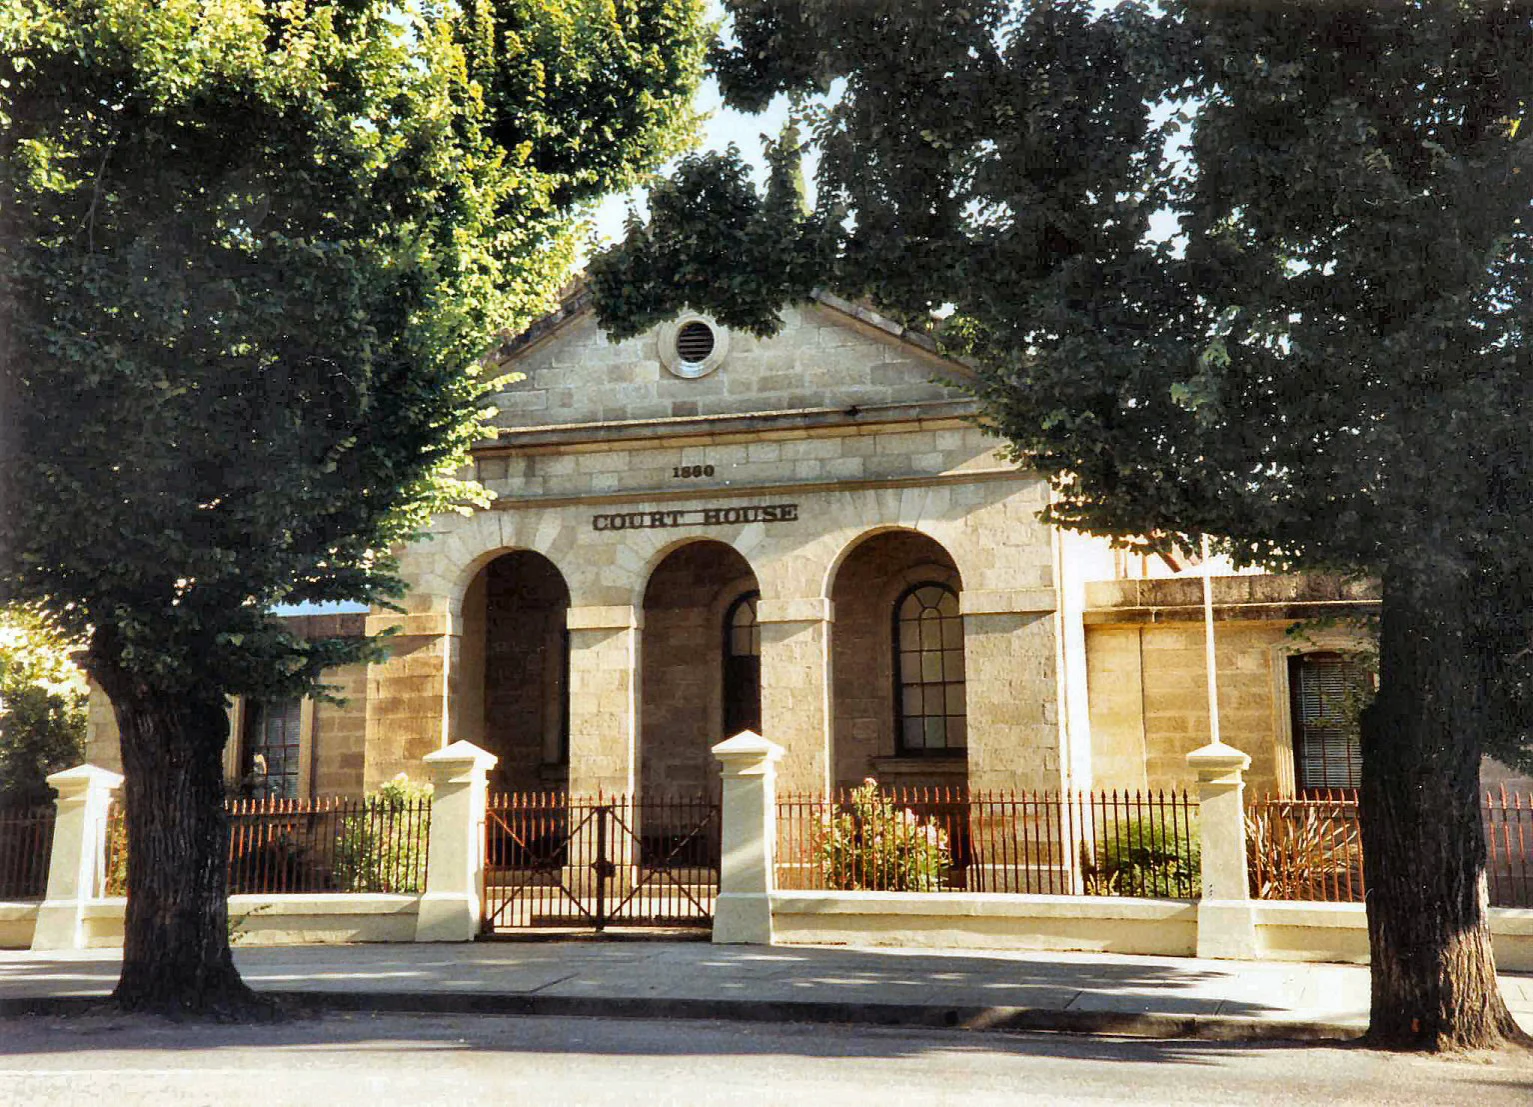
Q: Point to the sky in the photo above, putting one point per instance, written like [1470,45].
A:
[723,126]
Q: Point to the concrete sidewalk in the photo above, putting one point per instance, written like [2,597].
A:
[1161,997]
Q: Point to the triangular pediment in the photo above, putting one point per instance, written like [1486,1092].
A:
[829,356]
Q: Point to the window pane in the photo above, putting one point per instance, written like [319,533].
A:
[929,640]
[1325,690]
[914,734]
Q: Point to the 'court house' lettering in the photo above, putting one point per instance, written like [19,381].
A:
[696,517]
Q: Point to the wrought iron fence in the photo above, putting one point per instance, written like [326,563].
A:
[1305,849]
[554,860]
[316,845]
[26,845]
[944,840]
[1509,848]
[1310,848]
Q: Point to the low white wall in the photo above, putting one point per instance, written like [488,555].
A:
[17,921]
[987,920]
[1339,932]
[280,920]
[1102,924]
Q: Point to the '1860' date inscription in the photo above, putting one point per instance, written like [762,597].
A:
[696,517]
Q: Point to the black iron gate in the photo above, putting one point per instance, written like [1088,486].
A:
[556,861]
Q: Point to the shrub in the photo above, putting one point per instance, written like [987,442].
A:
[1301,852]
[878,847]
[382,847]
[1142,857]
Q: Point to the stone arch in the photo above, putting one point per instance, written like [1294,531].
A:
[456,557]
[862,537]
[870,576]
[664,548]
[510,687]
[686,594]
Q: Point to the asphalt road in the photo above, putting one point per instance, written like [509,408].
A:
[379,1060]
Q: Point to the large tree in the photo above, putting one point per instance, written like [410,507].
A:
[250,253]
[1260,271]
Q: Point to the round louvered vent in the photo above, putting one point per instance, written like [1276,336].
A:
[694,342]
[692,346]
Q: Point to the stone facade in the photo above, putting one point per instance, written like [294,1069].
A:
[1147,677]
[576,627]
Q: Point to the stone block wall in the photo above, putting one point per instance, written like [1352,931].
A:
[1147,670]
[821,358]
[1149,702]
[869,449]
[340,732]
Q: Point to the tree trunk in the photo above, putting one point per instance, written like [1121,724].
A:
[1433,974]
[176,958]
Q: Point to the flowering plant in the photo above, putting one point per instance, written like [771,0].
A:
[875,846]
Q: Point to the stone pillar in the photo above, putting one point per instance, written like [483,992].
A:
[79,854]
[743,912]
[450,909]
[796,689]
[1226,925]
[604,699]
[1017,736]
[407,694]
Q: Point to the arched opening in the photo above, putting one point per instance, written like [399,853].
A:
[897,662]
[701,668]
[516,641]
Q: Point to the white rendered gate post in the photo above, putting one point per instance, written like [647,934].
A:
[748,830]
[1226,924]
[78,858]
[450,909]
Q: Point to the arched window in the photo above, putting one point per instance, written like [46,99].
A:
[1324,691]
[742,666]
[928,646]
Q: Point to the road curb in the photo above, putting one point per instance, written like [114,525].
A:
[1119,1024]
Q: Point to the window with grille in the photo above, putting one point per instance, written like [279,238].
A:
[928,644]
[1324,689]
[742,666]
[269,762]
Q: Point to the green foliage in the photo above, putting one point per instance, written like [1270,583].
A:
[878,847]
[711,239]
[251,254]
[383,848]
[1255,271]
[1141,857]
[42,707]
[114,881]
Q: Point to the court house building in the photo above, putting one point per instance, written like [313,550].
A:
[696,532]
